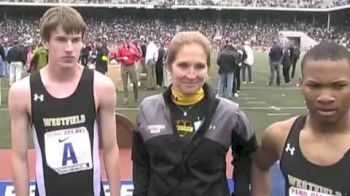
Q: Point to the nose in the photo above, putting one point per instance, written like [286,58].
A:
[191,73]
[326,97]
[69,46]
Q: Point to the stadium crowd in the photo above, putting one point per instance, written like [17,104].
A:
[254,3]
[336,3]
[284,3]
[111,30]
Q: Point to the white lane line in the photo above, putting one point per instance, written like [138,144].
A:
[278,114]
[243,108]
[256,102]
[247,98]
[275,108]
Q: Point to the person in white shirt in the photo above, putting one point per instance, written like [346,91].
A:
[248,61]
[150,59]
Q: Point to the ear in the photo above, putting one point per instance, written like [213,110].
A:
[168,67]
[45,44]
[206,77]
[300,82]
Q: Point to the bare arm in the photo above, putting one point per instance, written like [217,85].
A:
[105,91]
[18,107]
[268,153]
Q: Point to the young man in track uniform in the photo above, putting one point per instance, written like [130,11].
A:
[313,149]
[66,107]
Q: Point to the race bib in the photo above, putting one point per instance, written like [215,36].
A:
[302,192]
[68,150]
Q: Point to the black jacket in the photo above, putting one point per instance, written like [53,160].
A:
[161,54]
[16,54]
[228,59]
[102,60]
[276,54]
[2,52]
[164,166]
[286,60]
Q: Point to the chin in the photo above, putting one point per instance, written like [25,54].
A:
[69,65]
[189,91]
[328,120]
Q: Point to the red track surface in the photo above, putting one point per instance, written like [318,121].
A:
[125,159]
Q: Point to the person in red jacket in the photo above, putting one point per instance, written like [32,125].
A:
[127,55]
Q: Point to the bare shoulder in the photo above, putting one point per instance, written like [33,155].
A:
[104,90]
[102,83]
[277,133]
[21,86]
[19,94]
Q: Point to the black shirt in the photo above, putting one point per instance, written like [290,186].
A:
[66,140]
[303,176]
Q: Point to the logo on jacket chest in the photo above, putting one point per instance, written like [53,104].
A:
[154,129]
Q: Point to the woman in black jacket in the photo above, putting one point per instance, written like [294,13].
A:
[182,135]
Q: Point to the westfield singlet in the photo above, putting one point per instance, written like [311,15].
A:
[304,178]
[66,140]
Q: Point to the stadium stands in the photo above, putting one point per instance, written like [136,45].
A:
[112,29]
[285,3]
[336,3]
[230,3]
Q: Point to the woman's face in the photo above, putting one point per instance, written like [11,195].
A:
[189,69]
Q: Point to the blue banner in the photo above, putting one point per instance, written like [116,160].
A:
[127,187]
[7,188]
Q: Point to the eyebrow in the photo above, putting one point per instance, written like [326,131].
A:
[66,37]
[311,81]
[186,63]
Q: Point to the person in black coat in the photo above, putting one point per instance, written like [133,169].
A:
[227,61]
[101,58]
[275,60]
[159,65]
[84,56]
[286,63]
[2,61]
[294,53]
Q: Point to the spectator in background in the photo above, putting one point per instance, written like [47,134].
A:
[286,63]
[127,55]
[16,59]
[237,79]
[138,62]
[7,47]
[227,62]
[294,56]
[101,64]
[150,59]
[40,58]
[2,60]
[84,55]
[143,47]
[275,60]
[159,65]
[166,74]
[30,54]
[248,61]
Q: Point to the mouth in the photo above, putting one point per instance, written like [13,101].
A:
[68,59]
[326,112]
